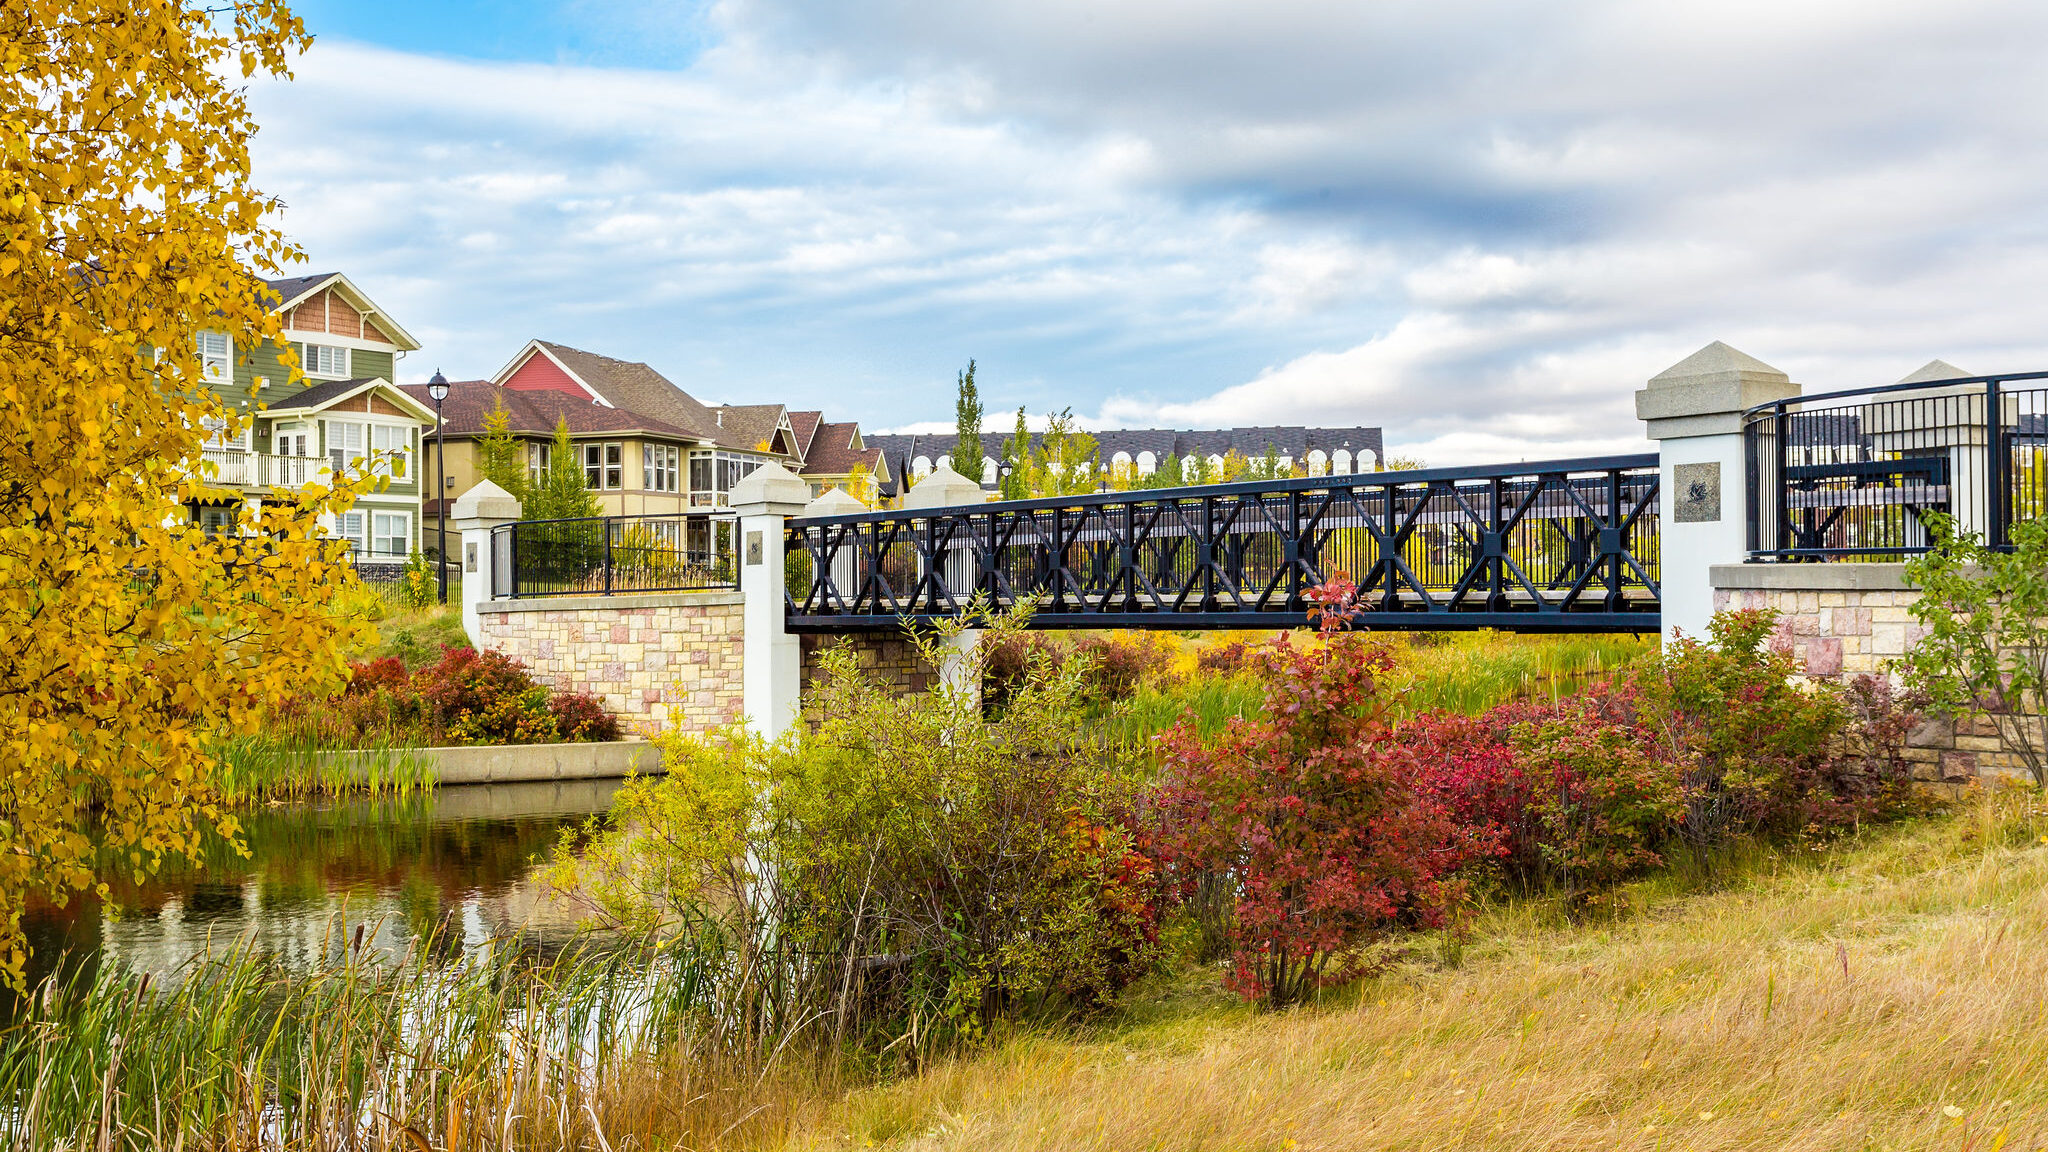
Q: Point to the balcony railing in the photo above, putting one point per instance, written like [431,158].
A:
[1856,475]
[235,468]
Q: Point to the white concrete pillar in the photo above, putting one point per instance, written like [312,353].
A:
[1693,410]
[945,488]
[772,659]
[960,668]
[1944,421]
[481,509]
[845,571]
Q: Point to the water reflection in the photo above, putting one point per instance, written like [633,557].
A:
[455,866]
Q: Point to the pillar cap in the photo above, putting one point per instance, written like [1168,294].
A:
[943,488]
[770,490]
[484,506]
[1706,393]
[835,502]
[1932,371]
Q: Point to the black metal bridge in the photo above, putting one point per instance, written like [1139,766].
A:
[1553,546]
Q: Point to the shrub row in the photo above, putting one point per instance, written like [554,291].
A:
[463,697]
[1334,825]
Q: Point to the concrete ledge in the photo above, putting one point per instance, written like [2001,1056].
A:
[1810,577]
[615,603]
[514,763]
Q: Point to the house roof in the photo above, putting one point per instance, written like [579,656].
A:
[752,424]
[292,289]
[632,385]
[328,393]
[804,426]
[838,447]
[469,402]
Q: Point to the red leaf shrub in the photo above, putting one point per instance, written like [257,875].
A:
[1224,659]
[465,680]
[581,716]
[1312,816]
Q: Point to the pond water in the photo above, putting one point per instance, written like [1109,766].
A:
[455,866]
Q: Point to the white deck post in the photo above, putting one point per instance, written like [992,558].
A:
[475,513]
[1693,410]
[772,659]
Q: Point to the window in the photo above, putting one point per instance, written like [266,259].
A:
[391,534]
[393,446]
[537,457]
[349,526]
[217,438]
[216,357]
[661,467]
[344,446]
[700,472]
[733,469]
[604,466]
[294,440]
[324,360]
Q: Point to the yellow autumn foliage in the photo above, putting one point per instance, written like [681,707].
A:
[128,224]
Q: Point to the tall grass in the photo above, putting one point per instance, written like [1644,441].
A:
[589,1050]
[1882,992]
[1470,672]
[291,765]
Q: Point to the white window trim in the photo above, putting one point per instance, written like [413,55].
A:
[311,374]
[372,536]
[227,375]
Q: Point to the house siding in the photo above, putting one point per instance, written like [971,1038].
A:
[540,374]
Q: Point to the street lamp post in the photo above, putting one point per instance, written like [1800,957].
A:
[438,389]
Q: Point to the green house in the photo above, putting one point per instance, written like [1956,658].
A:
[342,408]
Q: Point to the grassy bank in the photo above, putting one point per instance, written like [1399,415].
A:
[1884,993]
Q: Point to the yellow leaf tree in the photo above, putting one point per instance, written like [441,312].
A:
[135,643]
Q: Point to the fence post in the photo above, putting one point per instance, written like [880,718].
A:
[771,671]
[476,512]
[1693,410]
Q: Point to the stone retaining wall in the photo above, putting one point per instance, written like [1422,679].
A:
[1846,620]
[886,657]
[656,661]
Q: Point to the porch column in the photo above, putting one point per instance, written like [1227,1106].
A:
[772,660]
[479,510]
[1693,410]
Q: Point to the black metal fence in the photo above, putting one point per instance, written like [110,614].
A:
[1854,475]
[1552,546]
[610,554]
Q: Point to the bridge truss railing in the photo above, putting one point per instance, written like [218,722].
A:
[1549,546]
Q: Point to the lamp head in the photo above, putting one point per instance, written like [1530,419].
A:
[438,387]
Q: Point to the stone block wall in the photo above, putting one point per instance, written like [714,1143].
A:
[1846,620]
[890,658]
[656,661]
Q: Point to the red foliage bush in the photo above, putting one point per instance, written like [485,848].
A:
[580,716]
[1224,659]
[1310,814]
[465,680]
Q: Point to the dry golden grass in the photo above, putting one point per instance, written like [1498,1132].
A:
[1890,994]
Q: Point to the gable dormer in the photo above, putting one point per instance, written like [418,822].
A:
[537,369]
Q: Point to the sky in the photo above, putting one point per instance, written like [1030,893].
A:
[1479,225]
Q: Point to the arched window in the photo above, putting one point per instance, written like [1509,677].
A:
[1318,464]
[1120,460]
[1340,461]
[1147,463]
[1215,466]
[921,466]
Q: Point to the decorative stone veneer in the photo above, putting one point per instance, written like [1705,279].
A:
[656,661]
[884,657]
[1846,620]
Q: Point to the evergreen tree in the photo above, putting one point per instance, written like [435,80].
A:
[1017,455]
[563,493]
[498,454]
[967,420]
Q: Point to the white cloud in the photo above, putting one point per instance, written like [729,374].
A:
[1479,224]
